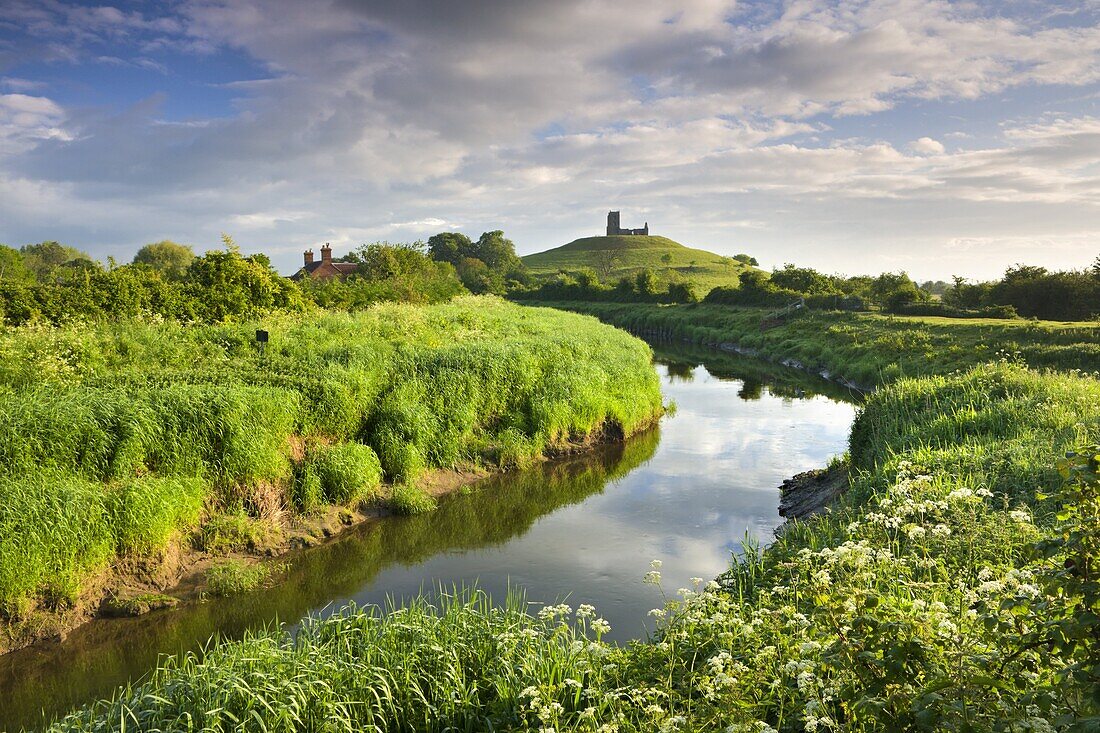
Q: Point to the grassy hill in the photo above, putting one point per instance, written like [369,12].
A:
[706,269]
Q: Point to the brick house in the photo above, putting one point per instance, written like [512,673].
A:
[325,268]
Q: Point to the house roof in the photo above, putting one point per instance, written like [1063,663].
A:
[343,268]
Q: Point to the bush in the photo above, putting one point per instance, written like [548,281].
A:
[346,472]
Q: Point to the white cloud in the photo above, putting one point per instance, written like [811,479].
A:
[926,146]
[25,120]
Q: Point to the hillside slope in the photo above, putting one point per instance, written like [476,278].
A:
[706,269]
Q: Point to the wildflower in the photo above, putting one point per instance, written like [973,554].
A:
[916,532]
[655,564]
[652,577]
[1020,516]
[657,613]
[585,611]
[601,626]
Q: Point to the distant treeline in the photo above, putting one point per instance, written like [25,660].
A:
[51,282]
[1023,291]
[584,284]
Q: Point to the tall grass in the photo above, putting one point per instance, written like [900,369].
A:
[909,606]
[384,394]
[56,528]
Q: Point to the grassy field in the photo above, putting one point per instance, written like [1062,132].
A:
[117,440]
[706,269]
[935,596]
[867,348]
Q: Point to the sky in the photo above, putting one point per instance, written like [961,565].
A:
[940,138]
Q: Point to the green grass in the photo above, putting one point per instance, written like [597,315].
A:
[909,606]
[866,348]
[706,269]
[233,577]
[171,422]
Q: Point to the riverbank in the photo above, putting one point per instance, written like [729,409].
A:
[133,452]
[861,350]
[929,596]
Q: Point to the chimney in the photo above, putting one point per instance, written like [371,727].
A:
[326,253]
[309,256]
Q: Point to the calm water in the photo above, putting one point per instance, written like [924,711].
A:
[583,529]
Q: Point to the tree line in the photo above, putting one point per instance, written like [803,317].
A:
[52,282]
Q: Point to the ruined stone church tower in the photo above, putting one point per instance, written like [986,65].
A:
[613,227]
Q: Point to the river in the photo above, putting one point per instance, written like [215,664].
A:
[582,529]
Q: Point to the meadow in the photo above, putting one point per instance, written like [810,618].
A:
[118,441]
[866,348]
[939,594]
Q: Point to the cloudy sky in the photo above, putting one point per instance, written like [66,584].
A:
[940,138]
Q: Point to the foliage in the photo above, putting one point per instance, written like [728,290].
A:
[485,266]
[170,419]
[167,281]
[386,272]
[345,472]
[1033,292]
[166,257]
[53,261]
[642,287]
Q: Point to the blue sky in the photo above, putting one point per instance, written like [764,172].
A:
[940,138]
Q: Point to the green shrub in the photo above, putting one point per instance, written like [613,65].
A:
[347,472]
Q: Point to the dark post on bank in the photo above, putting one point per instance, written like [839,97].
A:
[261,339]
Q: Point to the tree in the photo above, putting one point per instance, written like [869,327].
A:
[166,257]
[805,280]
[450,247]
[666,258]
[50,261]
[754,280]
[498,252]
[604,261]
[227,286]
[746,260]
[12,267]
[645,282]
[895,290]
